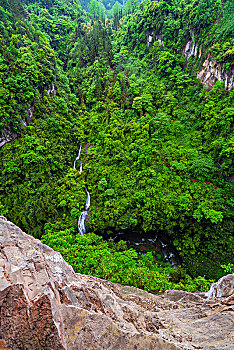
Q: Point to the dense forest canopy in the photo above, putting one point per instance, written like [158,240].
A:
[157,147]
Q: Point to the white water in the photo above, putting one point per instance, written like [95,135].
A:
[87,204]
[52,91]
[29,113]
[80,167]
[84,213]
[81,222]
[77,158]
[134,239]
[169,256]
[23,122]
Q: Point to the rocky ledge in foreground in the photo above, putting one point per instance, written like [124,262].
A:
[44,304]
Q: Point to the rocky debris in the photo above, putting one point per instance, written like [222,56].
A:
[44,304]
[199,327]
[180,295]
[190,319]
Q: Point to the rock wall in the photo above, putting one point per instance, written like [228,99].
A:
[191,49]
[44,304]
[212,70]
[7,135]
[223,288]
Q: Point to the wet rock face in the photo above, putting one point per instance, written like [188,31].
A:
[191,49]
[44,304]
[7,135]
[212,72]
[151,38]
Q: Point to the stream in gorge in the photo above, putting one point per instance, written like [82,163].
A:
[157,243]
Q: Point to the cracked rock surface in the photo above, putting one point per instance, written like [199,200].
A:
[44,304]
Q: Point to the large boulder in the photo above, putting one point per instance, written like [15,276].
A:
[223,288]
[44,304]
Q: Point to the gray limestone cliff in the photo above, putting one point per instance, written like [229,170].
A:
[44,304]
[213,71]
[7,135]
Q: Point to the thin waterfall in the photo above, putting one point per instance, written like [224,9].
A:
[30,113]
[84,213]
[77,158]
[87,204]
[53,91]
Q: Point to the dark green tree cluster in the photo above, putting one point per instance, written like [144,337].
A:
[27,68]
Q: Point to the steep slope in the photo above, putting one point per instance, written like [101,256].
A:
[201,30]
[157,147]
[39,110]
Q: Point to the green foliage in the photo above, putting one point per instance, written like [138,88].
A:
[177,275]
[97,10]
[157,148]
[229,268]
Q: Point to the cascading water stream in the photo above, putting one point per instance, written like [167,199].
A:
[169,255]
[52,91]
[84,213]
[159,242]
[30,113]
[78,157]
